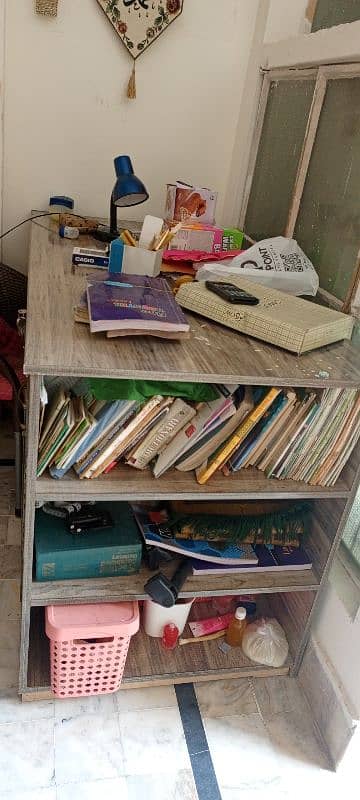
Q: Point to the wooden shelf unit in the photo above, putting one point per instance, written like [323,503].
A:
[56,346]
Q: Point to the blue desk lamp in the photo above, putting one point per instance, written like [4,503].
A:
[128,191]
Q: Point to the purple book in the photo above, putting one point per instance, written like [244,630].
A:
[134,302]
[269,560]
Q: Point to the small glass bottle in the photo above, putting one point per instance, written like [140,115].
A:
[236,629]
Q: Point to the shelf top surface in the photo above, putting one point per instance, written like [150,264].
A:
[56,345]
[131,587]
[126,483]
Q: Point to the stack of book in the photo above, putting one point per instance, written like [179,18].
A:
[302,435]
[156,431]
[133,305]
[216,556]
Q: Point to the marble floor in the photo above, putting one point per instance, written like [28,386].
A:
[257,740]
[225,740]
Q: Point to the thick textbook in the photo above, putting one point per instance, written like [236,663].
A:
[61,555]
[134,302]
[289,322]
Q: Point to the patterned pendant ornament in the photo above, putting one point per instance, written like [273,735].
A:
[48,7]
[139,23]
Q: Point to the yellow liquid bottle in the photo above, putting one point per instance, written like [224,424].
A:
[236,629]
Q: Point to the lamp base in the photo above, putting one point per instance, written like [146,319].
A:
[105,234]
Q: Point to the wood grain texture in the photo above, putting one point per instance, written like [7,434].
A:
[56,345]
[131,587]
[292,611]
[307,148]
[148,664]
[126,483]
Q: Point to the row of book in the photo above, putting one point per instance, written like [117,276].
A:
[92,436]
[219,556]
[304,435]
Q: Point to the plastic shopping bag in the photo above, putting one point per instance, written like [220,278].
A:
[264,642]
[278,263]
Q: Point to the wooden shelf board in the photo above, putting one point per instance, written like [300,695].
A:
[212,354]
[126,483]
[131,587]
[148,664]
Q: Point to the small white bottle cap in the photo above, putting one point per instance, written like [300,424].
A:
[240,613]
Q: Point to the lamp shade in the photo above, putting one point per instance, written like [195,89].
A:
[128,190]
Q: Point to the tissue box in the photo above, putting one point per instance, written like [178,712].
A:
[207,238]
[190,202]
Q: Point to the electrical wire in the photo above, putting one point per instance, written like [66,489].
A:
[36,216]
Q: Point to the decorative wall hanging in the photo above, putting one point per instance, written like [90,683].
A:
[139,23]
[48,7]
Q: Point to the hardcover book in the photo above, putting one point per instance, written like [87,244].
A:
[60,555]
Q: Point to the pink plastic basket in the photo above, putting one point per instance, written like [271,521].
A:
[88,646]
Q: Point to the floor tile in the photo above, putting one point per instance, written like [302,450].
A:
[9,677]
[304,766]
[205,777]
[278,694]
[256,793]
[153,742]
[242,752]
[88,748]
[142,699]
[37,794]
[293,736]
[94,790]
[13,710]
[4,522]
[27,755]
[179,786]
[192,723]
[225,698]
[10,600]
[102,705]
[10,561]
[14,531]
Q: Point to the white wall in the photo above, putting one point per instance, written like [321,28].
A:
[286,19]
[339,638]
[66,114]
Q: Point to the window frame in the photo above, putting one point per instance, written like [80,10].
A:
[323,74]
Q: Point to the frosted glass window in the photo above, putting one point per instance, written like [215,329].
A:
[328,224]
[278,155]
[329,13]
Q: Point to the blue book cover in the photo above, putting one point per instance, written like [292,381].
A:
[288,557]
[134,301]
[240,455]
[218,552]
[110,411]
[270,559]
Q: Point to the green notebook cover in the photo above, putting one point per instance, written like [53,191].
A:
[60,555]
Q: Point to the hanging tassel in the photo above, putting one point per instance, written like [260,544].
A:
[131,89]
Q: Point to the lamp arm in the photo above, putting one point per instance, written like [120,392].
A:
[113,217]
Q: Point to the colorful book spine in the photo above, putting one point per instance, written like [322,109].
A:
[203,475]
